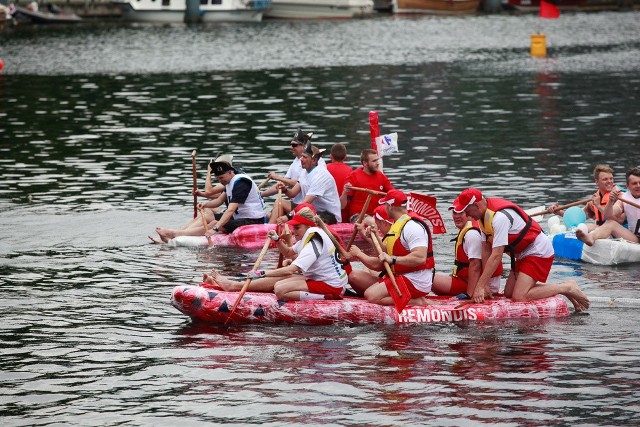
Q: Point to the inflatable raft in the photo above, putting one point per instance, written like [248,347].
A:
[247,236]
[603,251]
[213,306]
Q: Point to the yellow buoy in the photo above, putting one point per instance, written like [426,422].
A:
[538,45]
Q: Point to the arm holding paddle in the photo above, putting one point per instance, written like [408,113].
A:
[210,190]
[559,209]
[615,209]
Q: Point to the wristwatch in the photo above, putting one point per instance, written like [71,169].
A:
[215,228]
[394,259]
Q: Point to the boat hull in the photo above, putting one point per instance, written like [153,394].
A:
[437,7]
[319,9]
[603,252]
[151,11]
[247,236]
[213,306]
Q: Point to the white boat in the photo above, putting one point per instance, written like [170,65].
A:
[210,10]
[319,9]
[603,252]
[436,7]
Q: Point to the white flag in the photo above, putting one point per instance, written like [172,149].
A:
[387,144]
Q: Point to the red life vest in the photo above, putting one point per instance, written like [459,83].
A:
[461,263]
[397,249]
[517,242]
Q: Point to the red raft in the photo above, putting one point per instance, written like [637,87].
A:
[213,306]
[248,236]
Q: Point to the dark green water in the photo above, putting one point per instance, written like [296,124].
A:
[97,124]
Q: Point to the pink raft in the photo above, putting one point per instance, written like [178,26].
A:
[213,306]
[248,236]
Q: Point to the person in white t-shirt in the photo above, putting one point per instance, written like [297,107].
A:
[507,228]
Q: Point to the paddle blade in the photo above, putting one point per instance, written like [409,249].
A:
[401,295]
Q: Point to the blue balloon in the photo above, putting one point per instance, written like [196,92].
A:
[574,216]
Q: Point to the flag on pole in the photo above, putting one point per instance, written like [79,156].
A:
[425,206]
[387,144]
[548,10]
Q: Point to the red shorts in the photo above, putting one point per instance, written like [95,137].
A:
[458,286]
[536,267]
[415,293]
[329,292]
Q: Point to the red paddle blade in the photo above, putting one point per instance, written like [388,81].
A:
[401,298]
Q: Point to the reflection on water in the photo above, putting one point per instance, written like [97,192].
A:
[95,152]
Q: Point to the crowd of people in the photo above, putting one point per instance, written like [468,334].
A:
[317,265]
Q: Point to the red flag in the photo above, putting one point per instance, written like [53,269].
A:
[374,128]
[425,206]
[548,10]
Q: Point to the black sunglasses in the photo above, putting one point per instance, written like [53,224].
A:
[293,144]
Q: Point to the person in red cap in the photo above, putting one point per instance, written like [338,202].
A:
[367,176]
[508,228]
[314,273]
[409,252]
[468,261]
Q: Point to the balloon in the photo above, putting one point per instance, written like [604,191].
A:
[555,229]
[554,220]
[583,227]
[574,216]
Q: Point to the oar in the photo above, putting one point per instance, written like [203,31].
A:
[279,227]
[359,221]
[579,202]
[629,202]
[399,293]
[366,190]
[195,183]
[263,183]
[205,225]
[339,248]
[248,282]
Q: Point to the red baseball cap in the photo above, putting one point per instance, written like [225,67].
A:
[466,198]
[299,219]
[394,198]
[305,205]
[380,213]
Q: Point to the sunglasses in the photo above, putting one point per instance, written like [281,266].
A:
[293,144]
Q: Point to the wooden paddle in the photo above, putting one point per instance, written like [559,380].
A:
[206,226]
[398,289]
[579,202]
[263,183]
[195,183]
[359,221]
[366,190]
[629,202]
[339,248]
[248,282]
[279,227]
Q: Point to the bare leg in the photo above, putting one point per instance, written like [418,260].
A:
[286,208]
[526,289]
[288,289]
[442,284]
[257,285]
[361,280]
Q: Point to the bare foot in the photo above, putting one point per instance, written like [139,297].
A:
[577,297]
[422,301]
[208,282]
[224,282]
[585,237]
[155,240]
[165,234]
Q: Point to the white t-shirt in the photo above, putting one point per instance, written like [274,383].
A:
[318,260]
[414,236]
[502,227]
[294,171]
[320,184]
[632,213]
[472,247]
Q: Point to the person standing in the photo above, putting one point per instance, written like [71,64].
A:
[339,170]
[367,176]
[507,227]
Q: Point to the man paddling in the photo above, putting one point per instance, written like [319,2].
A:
[409,251]
[617,212]
[507,227]
[243,202]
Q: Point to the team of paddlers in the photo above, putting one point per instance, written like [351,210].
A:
[402,271]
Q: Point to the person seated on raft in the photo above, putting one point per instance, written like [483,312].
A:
[507,227]
[467,262]
[290,179]
[314,273]
[603,178]
[409,252]
[243,202]
[316,186]
[618,212]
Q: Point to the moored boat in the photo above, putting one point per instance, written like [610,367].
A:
[26,15]
[174,10]
[533,6]
[213,306]
[603,252]
[319,9]
[436,7]
[247,236]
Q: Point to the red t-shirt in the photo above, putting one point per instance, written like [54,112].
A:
[358,178]
[339,171]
